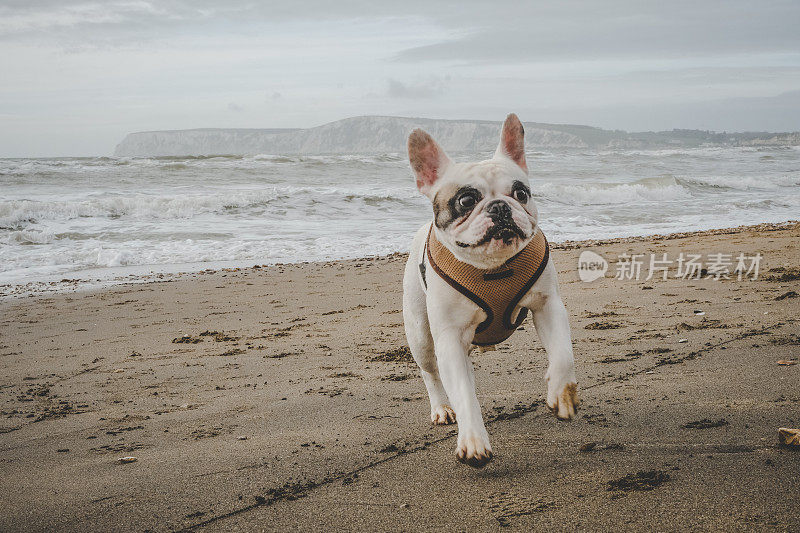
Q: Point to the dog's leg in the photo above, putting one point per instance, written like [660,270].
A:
[452,349]
[418,334]
[552,325]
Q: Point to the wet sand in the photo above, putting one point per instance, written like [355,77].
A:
[283,398]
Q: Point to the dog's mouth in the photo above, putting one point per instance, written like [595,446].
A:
[504,231]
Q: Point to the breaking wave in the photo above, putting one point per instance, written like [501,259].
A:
[648,189]
[19,213]
[63,215]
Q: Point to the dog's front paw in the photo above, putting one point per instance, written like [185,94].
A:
[564,403]
[442,415]
[473,450]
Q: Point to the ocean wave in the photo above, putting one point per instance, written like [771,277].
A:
[64,256]
[44,168]
[331,159]
[240,161]
[741,183]
[275,158]
[31,236]
[17,214]
[663,188]
[68,214]
[20,214]
[189,157]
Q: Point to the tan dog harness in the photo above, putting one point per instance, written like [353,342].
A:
[497,291]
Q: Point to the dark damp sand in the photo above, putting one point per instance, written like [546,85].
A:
[302,412]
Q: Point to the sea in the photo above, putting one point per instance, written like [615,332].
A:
[104,218]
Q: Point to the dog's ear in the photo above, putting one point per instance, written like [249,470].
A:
[512,142]
[427,158]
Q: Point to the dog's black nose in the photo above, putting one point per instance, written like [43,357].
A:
[498,210]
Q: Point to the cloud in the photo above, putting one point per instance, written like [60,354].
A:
[23,20]
[166,64]
[142,20]
[586,30]
[429,89]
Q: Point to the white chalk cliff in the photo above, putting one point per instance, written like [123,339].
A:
[357,134]
[377,134]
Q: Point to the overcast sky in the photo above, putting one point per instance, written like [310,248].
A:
[75,77]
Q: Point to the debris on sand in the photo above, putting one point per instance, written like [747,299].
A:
[187,339]
[603,325]
[396,355]
[624,358]
[785,295]
[703,324]
[128,459]
[786,340]
[344,375]
[787,362]
[330,392]
[643,480]
[705,424]
[587,446]
[281,355]
[599,315]
[789,437]
[786,274]
[219,336]
[396,377]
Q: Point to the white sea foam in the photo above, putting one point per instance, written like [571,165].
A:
[744,183]
[15,213]
[588,193]
[59,217]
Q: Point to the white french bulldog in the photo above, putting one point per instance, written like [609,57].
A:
[484,215]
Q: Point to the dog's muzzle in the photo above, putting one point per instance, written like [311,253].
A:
[498,210]
[504,227]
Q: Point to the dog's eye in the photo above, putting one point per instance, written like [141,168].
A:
[466,201]
[521,196]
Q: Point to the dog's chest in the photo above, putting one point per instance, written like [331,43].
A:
[497,292]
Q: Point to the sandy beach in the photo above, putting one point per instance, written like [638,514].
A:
[283,398]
